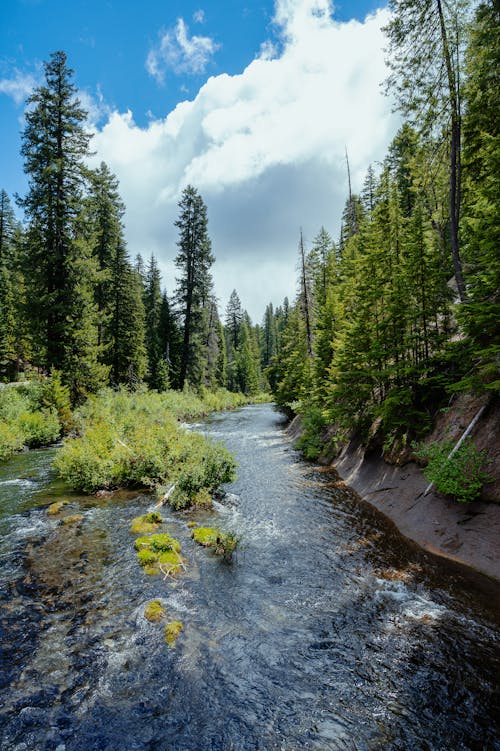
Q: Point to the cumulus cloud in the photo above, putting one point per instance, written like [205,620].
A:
[199,16]
[179,52]
[19,87]
[266,149]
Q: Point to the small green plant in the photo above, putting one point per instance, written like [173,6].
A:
[222,543]
[154,611]
[172,631]
[461,475]
[310,442]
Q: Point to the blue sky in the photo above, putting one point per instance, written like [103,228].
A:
[230,96]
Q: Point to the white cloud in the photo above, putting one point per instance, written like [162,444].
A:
[179,52]
[266,149]
[19,87]
[199,16]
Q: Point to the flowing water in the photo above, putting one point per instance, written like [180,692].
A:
[327,631]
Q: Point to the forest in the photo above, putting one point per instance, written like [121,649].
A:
[389,319]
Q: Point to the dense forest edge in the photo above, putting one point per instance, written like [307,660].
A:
[396,323]
[392,325]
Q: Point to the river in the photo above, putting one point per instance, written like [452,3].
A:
[327,631]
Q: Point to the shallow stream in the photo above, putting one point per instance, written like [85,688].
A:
[327,631]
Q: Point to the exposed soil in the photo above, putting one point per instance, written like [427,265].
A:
[466,533]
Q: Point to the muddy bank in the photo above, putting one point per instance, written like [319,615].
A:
[466,533]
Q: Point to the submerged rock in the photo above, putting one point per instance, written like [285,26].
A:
[172,631]
[55,508]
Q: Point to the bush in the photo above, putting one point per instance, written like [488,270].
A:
[134,440]
[461,475]
[310,442]
[27,417]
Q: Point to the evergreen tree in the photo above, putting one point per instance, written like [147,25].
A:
[481,315]
[157,371]
[426,41]
[170,338]
[194,260]
[62,271]
[118,288]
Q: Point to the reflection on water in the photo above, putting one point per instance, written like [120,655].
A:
[327,631]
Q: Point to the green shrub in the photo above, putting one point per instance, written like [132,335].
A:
[313,422]
[461,475]
[40,428]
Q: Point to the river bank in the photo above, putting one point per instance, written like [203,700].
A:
[468,534]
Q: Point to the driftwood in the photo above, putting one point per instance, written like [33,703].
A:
[164,499]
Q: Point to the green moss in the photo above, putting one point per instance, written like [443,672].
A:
[206,536]
[74,519]
[55,508]
[172,631]
[146,557]
[159,553]
[192,525]
[146,523]
[154,611]
[223,543]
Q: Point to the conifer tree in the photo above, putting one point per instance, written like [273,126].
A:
[157,370]
[62,271]
[194,285]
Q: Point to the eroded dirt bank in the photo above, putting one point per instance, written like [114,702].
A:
[466,533]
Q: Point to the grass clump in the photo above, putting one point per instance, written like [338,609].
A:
[462,475]
[222,543]
[154,611]
[159,553]
[135,440]
[141,525]
[172,631]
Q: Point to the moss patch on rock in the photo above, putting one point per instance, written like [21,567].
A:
[141,525]
[223,543]
[73,519]
[154,611]
[160,553]
[172,631]
[55,508]
[206,536]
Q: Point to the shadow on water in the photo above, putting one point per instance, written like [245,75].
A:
[327,632]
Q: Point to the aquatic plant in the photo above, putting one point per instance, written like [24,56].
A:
[172,631]
[73,519]
[223,543]
[145,523]
[159,553]
[154,611]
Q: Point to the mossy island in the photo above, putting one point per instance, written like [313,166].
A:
[159,553]
[150,522]
[222,543]
[172,631]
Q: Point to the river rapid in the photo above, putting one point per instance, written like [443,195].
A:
[327,631]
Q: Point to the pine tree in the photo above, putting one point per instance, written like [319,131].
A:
[62,271]
[155,350]
[481,315]
[194,260]
[426,41]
